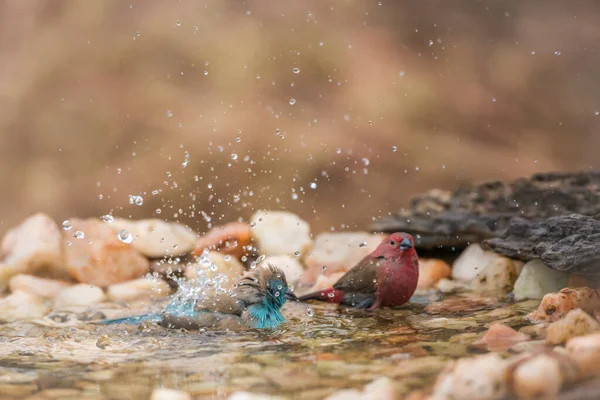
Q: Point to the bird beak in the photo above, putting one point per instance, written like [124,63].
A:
[405,244]
[291,296]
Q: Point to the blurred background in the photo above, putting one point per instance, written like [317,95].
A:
[337,110]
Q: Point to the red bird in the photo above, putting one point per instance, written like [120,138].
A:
[386,277]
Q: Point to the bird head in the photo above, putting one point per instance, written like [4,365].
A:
[264,291]
[398,244]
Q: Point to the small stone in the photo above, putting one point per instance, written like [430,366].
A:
[233,239]
[537,280]
[137,289]
[381,389]
[6,272]
[482,378]
[103,342]
[34,247]
[22,306]
[337,252]
[431,271]
[280,233]
[500,337]
[213,265]
[290,266]
[498,276]
[169,394]
[101,259]
[43,287]
[554,306]
[155,238]
[576,323]
[471,262]
[79,295]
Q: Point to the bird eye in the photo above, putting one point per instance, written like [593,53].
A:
[392,243]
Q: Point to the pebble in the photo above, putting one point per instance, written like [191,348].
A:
[22,306]
[291,267]
[537,280]
[101,259]
[554,306]
[155,238]
[337,252]
[542,376]
[43,287]
[431,271]
[471,262]
[585,351]
[33,246]
[253,396]
[169,394]
[142,288]
[575,323]
[79,295]
[280,233]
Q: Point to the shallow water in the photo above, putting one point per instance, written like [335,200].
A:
[309,358]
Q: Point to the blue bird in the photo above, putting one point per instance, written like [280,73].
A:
[253,303]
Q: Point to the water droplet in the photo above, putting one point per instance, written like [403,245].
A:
[124,236]
[276,294]
[321,43]
[313,185]
[292,101]
[178,23]
[297,253]
[66,225]
[169,113]
[78,235]
[363,244]
[294,196]
[394,149]
[596,112]
[108,218]
[137,200]
[234,156]
[366,161]
[296,70]
[158,211]
[309,311]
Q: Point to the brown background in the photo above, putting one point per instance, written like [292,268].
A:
[466,91]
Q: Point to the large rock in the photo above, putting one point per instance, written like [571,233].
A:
[34,247]
[79,295]
[473,213]
[280,233]
[155,238]
[498,276]
[216,267]
[101,259]
[22,306]
[569,243]
[43,287]
[555,306]
[291,267]
[537,280]
[234,239]
[337,252]
[142,288]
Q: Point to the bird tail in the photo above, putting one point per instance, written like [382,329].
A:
[330,295]
[134,320]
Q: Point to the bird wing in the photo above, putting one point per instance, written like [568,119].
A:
[223,303]
[362,277]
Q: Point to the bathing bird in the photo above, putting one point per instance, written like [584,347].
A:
[387,277]
[253,303]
